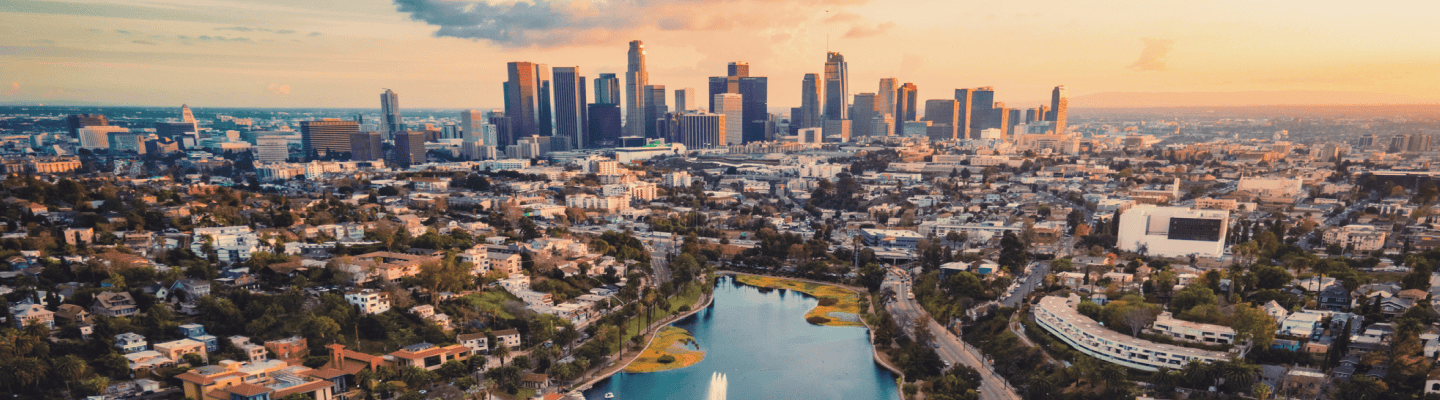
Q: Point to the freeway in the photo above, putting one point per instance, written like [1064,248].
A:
[950,348]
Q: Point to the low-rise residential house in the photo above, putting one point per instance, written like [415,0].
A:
[260,380]
[26,314]
[1193,331]
[131,342]
[114,304]
[291,348]
[370,301]
[477,342]
[427,356]
[177,349]
[197,333]
[1334,298]
[427,312]
[253,352]
[148,360]
[73,313]
[509,338]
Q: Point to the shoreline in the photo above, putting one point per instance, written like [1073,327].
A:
[579,389]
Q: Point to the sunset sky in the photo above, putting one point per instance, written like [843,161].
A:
[436,53]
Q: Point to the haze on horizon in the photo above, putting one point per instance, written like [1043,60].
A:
[444,54]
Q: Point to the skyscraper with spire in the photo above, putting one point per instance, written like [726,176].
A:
[636,78]
[1059,102]
[837,90]
[390,121]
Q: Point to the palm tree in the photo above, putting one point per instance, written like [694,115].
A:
[70,368]
[1197,374]
[365,379]
[1261,390]
[503,351]
[1238,374]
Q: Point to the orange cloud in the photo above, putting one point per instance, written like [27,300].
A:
[1152,57]
[14,87]
[278,89]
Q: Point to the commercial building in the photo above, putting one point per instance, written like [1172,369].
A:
[1057,315]
[327,136]
[1271,187]
[837,89]
[1059,103]
[655,109]
[273,149]
[605,125]
[527,98]
[905,106]
[864,112]
[607,90]
[702,130]
[1173,231]
[890,238]
[98,137]
[810,106]
[570,97]
[76,121]
[636,79]
[943,115]
[409,149]
[390,121]
[730,107]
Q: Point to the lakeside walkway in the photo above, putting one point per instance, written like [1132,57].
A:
[606,371]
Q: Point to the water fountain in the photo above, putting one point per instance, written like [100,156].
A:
[718,382]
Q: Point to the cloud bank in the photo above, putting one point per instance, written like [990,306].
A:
[543,23]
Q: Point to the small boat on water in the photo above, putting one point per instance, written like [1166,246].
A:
[609,395]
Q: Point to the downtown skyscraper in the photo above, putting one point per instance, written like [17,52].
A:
[865,111]
[527,101]
[607,89]
[636,79]
[655,109]
[1059,102]
[964,114]
[885,96]
[905,106]
[571,126]
[810,106]
[390,121]
[754,93]
[837,89]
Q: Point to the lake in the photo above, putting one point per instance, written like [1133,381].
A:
[759,339]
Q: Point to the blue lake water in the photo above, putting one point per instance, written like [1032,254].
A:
[759,339]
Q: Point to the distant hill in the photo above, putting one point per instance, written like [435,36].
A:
[1240,99]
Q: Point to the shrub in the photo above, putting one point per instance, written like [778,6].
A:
[828,301]
[817,320]
[666,359]
[685,308]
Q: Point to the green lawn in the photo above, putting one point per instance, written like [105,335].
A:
[492,300]
[685,298]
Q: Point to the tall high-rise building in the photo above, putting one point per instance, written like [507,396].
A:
[570,101]
[810,106]
[885,97]
[77,121]
[732,107]
[943,115]
[999,118]
[864,112]
[504,130]
[738,69]
[607,89]
[1059,102]
[636,79]
[184,133]
[1016,119]
[390,121]
[1033,115]
[544,102]
[605,128]
[409,149]
[754,91]
[98,137]
[186,115]
[982,105]
[367,146]
[522,99]
[655,108]
[471,122]
[274,148]
[700,130]
[685,100]
[327,136]
[906,101]
[964,114]
[837,90]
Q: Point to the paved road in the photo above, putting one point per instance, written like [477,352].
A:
[951,349]
[1027,283]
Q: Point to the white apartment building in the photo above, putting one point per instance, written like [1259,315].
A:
[602,167]
[98,137]
[231,244]
[1193,331]
[370,301]
[430,185]
[590,201]
[1271,187]
[1173,231]
[1058,316]
[1363,237]
[944,227]
[643,191]
[677,179]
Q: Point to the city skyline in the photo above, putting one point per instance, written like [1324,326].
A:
[264,54]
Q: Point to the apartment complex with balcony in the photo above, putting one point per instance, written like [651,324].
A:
[1058,316]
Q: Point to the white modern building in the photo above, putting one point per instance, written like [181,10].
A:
[1362,237]
[1173,231]
[370,301]
[1058,316]
[231,244]
[272,149]
[98,137]
[1271,187]
[1193,331]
